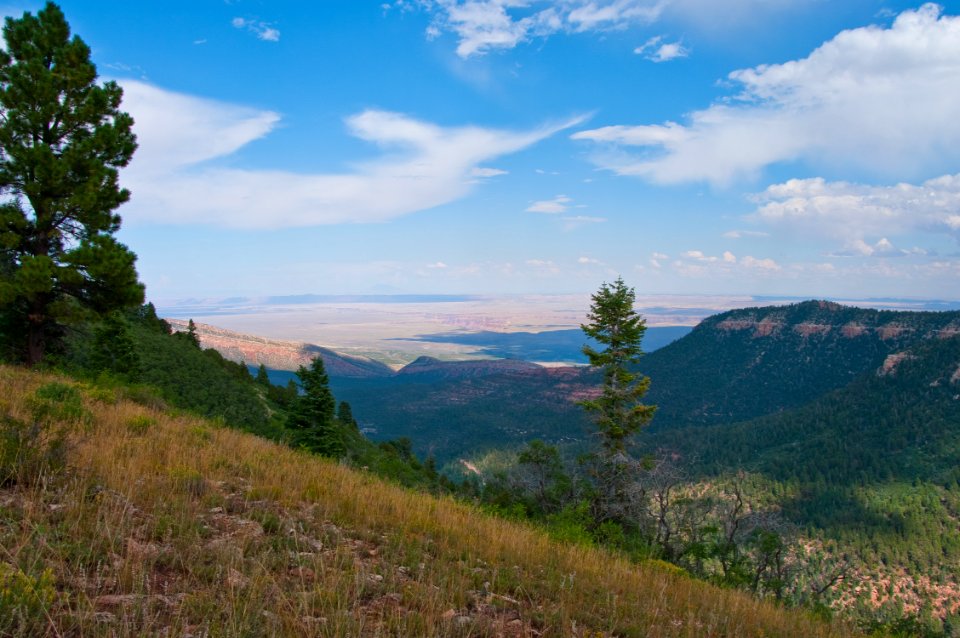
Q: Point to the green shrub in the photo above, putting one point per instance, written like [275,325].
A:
[269,521]
[189,481]
[29,452]
[58,402]
[571,524]
[140,424]
[147,396]
[25,601]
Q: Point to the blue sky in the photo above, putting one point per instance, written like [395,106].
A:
[788,147]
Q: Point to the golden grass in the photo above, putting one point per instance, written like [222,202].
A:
[174,525]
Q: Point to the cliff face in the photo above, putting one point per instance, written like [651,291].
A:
[824,318]
[746,363]
[282,355]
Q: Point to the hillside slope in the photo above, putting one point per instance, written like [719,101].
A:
[161,524]
[874,465]
[747,363]
[898,421]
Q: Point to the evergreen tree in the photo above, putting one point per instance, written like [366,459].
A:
[146,315]
[311,416]
[345,415]
[613,323]
[262,377]
[192,333]
[63,138]
[114,349]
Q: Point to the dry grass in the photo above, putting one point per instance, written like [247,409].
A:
[171,525]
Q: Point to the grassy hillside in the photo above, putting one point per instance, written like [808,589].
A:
[161,524]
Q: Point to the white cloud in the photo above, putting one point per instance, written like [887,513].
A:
[760,264]
[482,26]
[656,50]
[854,212]
[739,234]
[882,248]
[698,255]
[586,261]
[487,172]
[437,266]
[485,25]
[175,179]
[879,99]
[543,266]
[262,30]
[572,222]
[696,263]
[557,205]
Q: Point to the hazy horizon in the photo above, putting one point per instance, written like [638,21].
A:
[397,331]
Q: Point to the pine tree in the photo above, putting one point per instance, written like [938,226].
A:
[618,410]
[192,333]
[311,416]
[345,415]
[63,139]
[262,377]
[613,323]
[114,349]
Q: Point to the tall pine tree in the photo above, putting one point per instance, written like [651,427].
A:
[311,416]
[619,412]
[613,323]
[63,139]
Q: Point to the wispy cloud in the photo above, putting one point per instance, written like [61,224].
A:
[572,222]
[879,99]
[696,263]
[543,266]
[263,30]
[882,248]
[485,25]
[175,180]
[555,206]
[482,26]
[740,234]
[656,50]
[487,172]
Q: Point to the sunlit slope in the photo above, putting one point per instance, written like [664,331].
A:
[163,523]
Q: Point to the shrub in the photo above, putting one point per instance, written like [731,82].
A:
[58,402]
[29,452]
[25,601]
[140,424]
[189,481]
